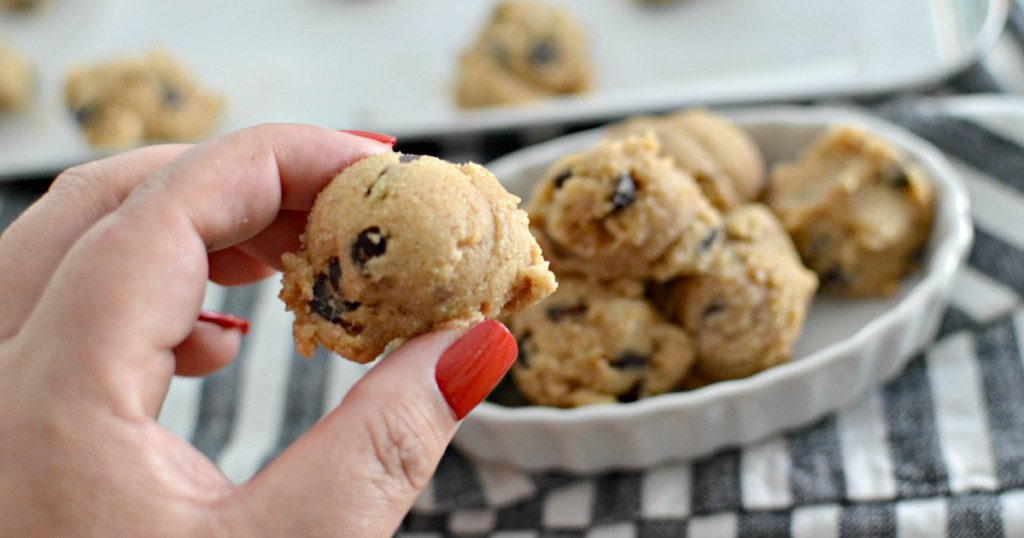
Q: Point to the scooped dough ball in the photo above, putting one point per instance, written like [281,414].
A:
[858,209]
[597,343]
[621,210]
[398,245]
[746,313]
[720,154]
[133,99]
[527,51]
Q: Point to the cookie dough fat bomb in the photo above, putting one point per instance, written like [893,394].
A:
[622,210]
[399,245]
[597,342]
[527,51]
[129,100]
[858,209]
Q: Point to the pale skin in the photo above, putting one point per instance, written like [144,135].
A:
[102,281]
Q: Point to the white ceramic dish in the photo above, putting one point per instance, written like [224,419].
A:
[388,65]
[847,346]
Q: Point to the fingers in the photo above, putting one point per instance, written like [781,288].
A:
[258,258]
[144,266]
[358,471]
[33,246]
[206,349]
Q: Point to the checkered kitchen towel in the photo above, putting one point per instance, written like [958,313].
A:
[939,450]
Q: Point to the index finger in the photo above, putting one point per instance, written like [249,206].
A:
[144,266]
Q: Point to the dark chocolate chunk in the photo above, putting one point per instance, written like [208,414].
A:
[327,301]
[714,307]
[560,179]
[896,176]
[370,244]
[631,360]
[834,277]
[710,239]
[625,192]
[172,96]
[323,303]
[407,158]
[85,114]
[334,272]
[557,313]
[544,52]
[631,395]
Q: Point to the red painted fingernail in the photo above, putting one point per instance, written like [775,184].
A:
[472,366]
[225,320]
[382,138]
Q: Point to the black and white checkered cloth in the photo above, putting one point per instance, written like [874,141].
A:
[937,451]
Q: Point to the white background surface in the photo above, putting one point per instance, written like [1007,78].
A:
[389,65]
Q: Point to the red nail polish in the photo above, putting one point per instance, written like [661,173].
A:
[226,321]
[470,369]
[382,138]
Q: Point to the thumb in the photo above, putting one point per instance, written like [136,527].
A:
[358,471]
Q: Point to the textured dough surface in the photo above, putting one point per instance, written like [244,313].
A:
[719,154]
[398,245]
[527,51]
[595,343]
[125,101]
[859,211]
[621,210]
[747,311]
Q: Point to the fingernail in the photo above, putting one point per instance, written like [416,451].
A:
[226,321]
[472,366]
[382,138]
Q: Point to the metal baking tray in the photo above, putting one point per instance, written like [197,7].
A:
[389,65]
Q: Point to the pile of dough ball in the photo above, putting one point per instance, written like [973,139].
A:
[398,245]
[528,50]
[129,100]
[678,266]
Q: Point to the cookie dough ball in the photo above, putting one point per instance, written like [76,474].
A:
[747,312]
[134,99]
[721,155]
[398,245]
[621,210]
[527,51]
[16,78]
[859,211]
[597,343]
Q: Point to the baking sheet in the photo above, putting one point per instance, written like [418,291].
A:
[389,65]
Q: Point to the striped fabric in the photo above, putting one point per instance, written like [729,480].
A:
[938,451]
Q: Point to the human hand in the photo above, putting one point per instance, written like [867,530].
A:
[102,282]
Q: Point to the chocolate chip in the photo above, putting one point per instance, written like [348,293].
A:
[559,312]
[834,277]
[631,395]
[327,301]
[896,176]
[323,303]
[85,114]
[370,244]
[406,158]
[631,360]
[714,307]
[710,239]
[544,52]
[560,179]
[334,273]
[625,192]
[172,96]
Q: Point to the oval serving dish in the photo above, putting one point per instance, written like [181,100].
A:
[847,347]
